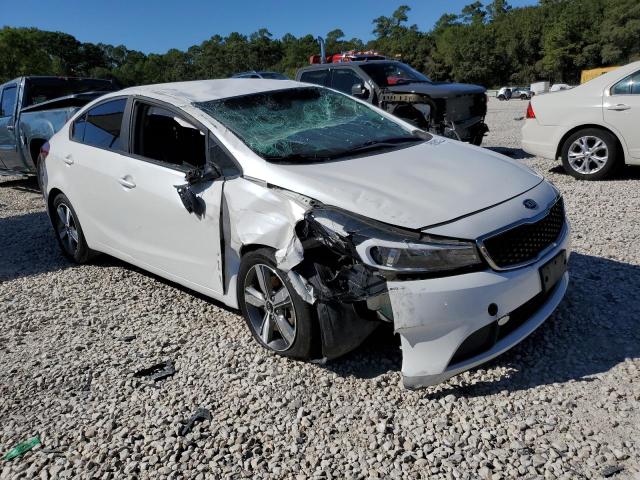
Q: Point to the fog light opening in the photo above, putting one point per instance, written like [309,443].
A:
[493,309]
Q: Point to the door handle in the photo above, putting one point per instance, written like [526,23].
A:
[68,159]
[126,182]
[619,107]
[11,128]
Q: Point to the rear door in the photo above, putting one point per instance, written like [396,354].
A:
[96,166]
[621,110]
[162,235]
[317,76]
[9,154]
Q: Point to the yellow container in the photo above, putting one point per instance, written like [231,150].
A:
[594,72]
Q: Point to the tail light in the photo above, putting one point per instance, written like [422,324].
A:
[530,112]
[44,150]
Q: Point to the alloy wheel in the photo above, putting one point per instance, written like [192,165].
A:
[270,307]
[67,229]
[588,155]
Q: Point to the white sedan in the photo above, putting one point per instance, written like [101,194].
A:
[316,214]
[594,128]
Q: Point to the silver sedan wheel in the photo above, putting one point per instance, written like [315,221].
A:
[588,155]
[67,230]
[270,307]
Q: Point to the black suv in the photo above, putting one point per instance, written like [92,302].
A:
[455,110]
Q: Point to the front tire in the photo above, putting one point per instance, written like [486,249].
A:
[276,315]
[68,231]
[590,154]
[477,140]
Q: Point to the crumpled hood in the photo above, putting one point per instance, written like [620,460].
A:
[438,90]
[414,187]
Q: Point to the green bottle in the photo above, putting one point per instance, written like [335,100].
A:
[21,448]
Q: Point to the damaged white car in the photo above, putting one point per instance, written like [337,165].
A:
[316,214]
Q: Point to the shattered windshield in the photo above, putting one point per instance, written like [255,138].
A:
[394,73]
[307,124]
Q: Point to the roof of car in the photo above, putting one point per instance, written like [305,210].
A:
[184,93]
[355,63]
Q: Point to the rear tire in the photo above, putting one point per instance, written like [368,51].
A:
[68,231]
[40,173]
[502,98]
[591,154]
[278,318]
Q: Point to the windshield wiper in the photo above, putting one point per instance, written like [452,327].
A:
[416,136]
[378,145]
[297,157]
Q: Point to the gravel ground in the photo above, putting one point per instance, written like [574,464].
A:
[563,404]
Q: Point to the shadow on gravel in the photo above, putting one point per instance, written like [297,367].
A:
[28,247]
[629,172]
[515,153]
[29,184]
[594,329]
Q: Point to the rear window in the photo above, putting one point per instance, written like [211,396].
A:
[43,90]
[101,126]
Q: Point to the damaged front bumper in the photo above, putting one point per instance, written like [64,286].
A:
[449,325]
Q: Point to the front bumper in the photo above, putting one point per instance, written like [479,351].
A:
[436,317]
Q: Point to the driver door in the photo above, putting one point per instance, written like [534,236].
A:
[163,236]
[621,110]
[9,154]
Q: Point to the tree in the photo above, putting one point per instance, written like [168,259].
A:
[497,9]
[493,45]
[473,13]
[385,26]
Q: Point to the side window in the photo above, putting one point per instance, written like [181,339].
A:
[8,103]
[345,78]
[162,135]
[635,85]
[318,77]
[627,86]
[103,124]
[77,129]
[221,158]
[623,87]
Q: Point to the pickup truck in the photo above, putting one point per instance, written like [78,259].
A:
[455,110]
[33,108]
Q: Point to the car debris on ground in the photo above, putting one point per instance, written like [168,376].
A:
[157,372]
[200,415]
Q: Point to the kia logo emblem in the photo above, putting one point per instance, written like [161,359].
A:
[530,204]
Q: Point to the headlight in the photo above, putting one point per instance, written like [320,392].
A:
[394,249]
[418,257]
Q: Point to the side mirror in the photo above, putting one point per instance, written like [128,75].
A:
[359,91]
[190,200]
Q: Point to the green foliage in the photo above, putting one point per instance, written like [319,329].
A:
[492,45]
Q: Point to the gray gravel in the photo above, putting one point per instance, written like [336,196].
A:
[563,404]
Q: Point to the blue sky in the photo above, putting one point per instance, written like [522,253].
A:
[156,26]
